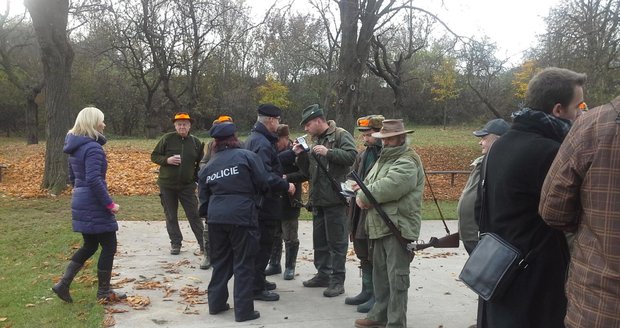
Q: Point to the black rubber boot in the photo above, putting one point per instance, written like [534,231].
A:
[290,257]
[104,292]
[62,287]
[366,292]
[274,266]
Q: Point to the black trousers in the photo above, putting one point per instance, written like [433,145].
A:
[107,240]
[233,249]
[267,230]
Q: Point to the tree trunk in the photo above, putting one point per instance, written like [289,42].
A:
[49,18]
[349,68]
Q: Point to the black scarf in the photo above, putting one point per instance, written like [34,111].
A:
[540,122]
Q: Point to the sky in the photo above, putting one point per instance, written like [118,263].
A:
[513,25]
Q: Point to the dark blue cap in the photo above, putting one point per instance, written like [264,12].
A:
[222,130]
[270,110]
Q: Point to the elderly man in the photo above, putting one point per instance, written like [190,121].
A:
[468,228]
[178,154]
[332,149]
[396,181]
[262,141]
[582,194]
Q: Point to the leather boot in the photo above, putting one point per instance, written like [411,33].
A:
[104,293]
[319,280]
[367,284]
[206,260]
[366,292]
[274,266]
[290,257]
[368,323]
[62,287]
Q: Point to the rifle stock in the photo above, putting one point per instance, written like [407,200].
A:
[449,241]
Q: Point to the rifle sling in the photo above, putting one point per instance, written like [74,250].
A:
[404,242]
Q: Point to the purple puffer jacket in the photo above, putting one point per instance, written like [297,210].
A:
[87,170]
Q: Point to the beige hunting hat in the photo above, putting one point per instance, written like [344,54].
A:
[391,127]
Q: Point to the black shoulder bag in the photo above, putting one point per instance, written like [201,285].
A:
[494,263]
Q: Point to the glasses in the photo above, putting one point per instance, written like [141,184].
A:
[363,122]
[583,106]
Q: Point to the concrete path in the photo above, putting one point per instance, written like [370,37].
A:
[173,285]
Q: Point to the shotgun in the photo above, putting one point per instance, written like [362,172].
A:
[408,246]
[449,241]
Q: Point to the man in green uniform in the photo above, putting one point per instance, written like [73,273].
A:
[335,148]
[397,182]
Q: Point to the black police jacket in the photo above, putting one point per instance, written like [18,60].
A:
[262,142]
[230,187]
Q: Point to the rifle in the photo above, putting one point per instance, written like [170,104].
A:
[335,186]
[408,246]
[448,241]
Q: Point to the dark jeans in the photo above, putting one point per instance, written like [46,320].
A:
[267,229]
[233,249]
[363,251]
[170,199]
[107,240]
[330,241]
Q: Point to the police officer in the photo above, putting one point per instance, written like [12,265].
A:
[230,186]
[262,141]
[206,260]
[364,161]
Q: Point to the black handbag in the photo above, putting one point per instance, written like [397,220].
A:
[494,263]
[492,267]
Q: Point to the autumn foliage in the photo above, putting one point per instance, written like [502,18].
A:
[131,172]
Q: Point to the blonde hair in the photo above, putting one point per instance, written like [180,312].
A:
[86,123]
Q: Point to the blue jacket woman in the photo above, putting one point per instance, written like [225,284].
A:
[92,207]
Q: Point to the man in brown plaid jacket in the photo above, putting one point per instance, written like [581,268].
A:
[582,194]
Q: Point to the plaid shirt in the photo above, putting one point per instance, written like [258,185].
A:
[582,193]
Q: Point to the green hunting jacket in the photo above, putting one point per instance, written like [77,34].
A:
[338,161]
[397,183]
[191,150]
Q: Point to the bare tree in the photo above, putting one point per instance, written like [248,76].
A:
[584,35]
[49,18]
[482,71]
[389,65]
[16,44]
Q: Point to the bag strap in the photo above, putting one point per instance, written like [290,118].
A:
[523,263]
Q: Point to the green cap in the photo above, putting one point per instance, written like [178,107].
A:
[310,112]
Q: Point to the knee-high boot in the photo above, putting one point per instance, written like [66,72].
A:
[274,266]
[290,257]
[367,282]
[104,292]
[366,292]
[62,287]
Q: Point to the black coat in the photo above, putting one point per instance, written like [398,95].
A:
[230,187]
[516,168]
[291,204]
[262,142]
